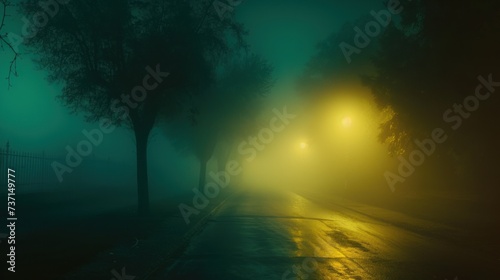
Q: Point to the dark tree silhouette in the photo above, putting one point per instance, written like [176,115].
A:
[329,67]
[4,41]
[224,112]
[431,62]
[128,60]
[242,91]
[419,67]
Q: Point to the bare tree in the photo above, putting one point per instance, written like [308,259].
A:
[4,41]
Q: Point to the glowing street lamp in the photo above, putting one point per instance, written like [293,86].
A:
[347,122]
[303,145]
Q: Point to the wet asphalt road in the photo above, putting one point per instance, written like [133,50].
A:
[283,235]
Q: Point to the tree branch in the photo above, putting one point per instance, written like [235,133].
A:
[3,40]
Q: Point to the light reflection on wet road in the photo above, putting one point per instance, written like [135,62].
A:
[282,235]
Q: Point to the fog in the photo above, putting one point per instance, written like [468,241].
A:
[153,111]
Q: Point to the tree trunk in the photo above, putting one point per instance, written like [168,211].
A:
[203,174]
[141,138]
[204,154]
[223,156]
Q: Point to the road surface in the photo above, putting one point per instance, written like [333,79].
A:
[284,235]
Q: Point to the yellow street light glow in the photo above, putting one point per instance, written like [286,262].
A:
[347,122]
[303,145]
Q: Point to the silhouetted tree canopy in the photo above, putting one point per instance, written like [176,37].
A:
[330,65]
[103,50]
[224,111]
[428,59]
[431,62]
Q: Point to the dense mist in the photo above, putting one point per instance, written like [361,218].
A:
[249,139]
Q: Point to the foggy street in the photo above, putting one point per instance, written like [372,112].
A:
[282,235]
[226,140]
